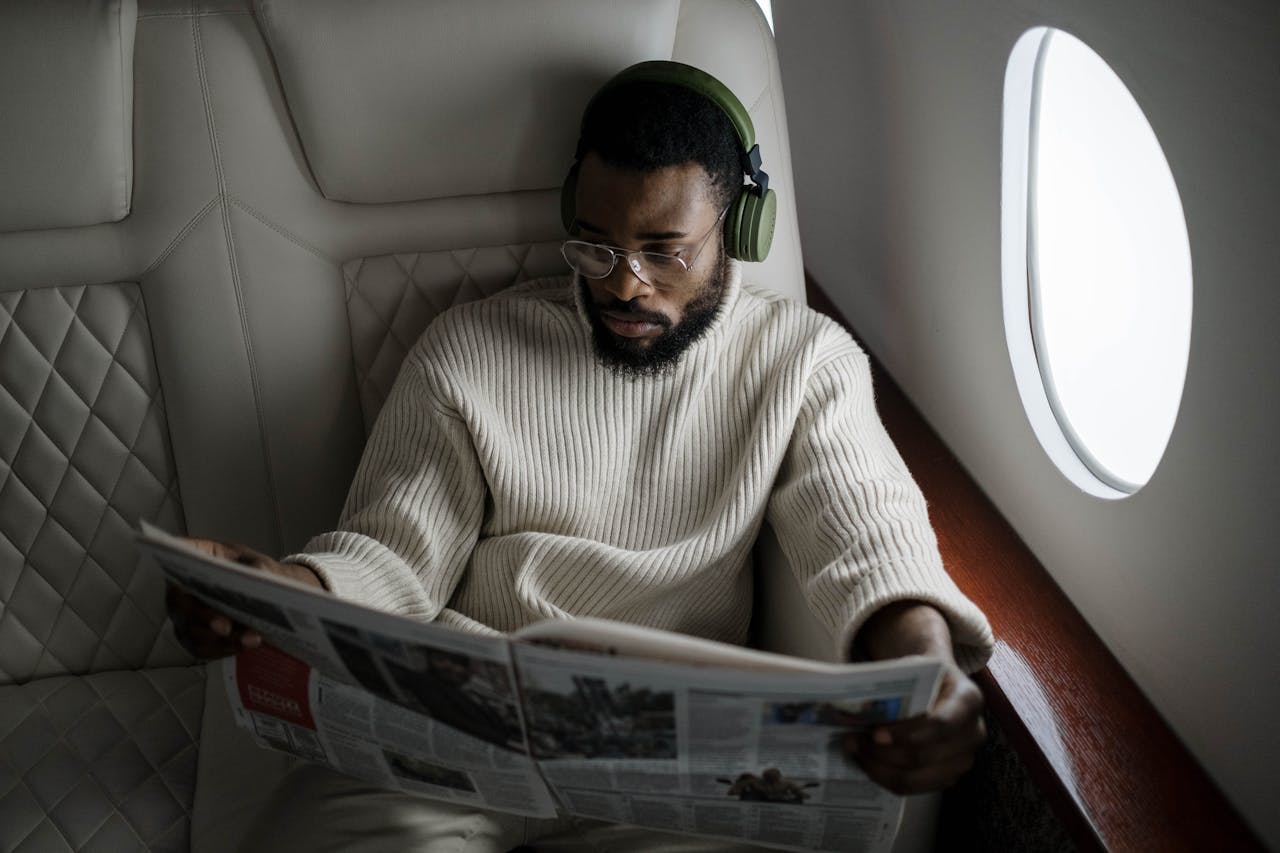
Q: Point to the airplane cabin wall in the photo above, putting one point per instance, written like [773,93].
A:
[895,125]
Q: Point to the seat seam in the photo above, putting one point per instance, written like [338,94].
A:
[237,285]
[279,229]
[125,126]
[179,237]
[195,13]
[44,818]
[48,514]
[107,498]
[92,773]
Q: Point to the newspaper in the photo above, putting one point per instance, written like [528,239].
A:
[584,717]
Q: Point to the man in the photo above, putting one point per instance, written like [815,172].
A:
[610,445]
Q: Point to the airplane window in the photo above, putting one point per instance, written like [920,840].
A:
[766,6]
[1097,266]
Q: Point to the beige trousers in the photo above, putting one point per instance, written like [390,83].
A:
[315,809]
[321,810]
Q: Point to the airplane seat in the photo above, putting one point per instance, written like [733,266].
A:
[222,224]
[100,709]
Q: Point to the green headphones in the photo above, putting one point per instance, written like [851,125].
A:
[748,226]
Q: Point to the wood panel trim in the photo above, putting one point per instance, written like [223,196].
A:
[1114,773]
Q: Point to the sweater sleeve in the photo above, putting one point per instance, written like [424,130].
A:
[413,513]
[853,522]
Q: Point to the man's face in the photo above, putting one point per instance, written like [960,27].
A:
[643,328]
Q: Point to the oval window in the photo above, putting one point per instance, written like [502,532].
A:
[1097,266]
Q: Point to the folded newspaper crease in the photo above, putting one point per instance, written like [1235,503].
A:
[602,720]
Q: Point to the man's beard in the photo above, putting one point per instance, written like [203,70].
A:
[627,357]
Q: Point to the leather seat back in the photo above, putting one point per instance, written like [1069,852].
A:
[84,433]
[309,183]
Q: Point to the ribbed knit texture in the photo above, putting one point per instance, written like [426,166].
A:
[513,477]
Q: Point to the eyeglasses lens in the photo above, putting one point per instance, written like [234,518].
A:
[592,261]
[587,259]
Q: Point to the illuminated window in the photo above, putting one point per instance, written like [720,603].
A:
[1096,266]
[766,6]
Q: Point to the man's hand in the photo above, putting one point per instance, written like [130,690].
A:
[928,752]
[931,751]
[207,632]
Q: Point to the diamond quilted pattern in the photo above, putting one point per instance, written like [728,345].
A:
[100,762]
[84,454]
[392,298]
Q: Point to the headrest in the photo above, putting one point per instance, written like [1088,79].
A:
[66,112]
[401,100]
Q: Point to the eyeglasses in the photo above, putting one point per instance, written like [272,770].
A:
[594,260]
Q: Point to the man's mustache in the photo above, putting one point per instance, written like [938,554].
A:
[631,314]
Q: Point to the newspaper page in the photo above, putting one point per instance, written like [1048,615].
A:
[597,719]
[404,704]
[735,754]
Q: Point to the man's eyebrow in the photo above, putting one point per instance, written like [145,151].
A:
[663,235]
[584,225]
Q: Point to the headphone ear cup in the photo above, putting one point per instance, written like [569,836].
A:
[751,220]
[733,227]
[569,198]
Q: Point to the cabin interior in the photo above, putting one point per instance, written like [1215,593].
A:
[223,222]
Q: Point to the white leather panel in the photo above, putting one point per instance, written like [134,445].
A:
[66,107]
[84,449]
[391,300]
[398,100]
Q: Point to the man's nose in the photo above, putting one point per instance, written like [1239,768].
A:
[623,283]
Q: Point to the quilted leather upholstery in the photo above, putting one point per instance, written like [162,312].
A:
[84,453]
[104,762]
[391,299]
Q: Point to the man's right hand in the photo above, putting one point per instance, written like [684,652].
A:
[207,632]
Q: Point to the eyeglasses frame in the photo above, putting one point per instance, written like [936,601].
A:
[617,252]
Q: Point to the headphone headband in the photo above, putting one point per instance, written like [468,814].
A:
[674,73]
[749,226]
[687,77]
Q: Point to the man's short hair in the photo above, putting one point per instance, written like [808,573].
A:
[647,126]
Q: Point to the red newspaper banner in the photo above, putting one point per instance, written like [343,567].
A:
[275,683]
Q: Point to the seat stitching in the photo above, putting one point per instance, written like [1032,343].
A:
[195,13]
[45,819]
[51,516]
[112,350]
[179,237]
[279,229]
[273,492]
[45,653]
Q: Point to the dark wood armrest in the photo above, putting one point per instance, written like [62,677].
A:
[1114,773]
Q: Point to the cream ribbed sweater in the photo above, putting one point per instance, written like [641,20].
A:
[512,477]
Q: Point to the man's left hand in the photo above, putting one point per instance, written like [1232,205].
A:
[928,752]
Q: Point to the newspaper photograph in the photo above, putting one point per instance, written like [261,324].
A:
[734,754]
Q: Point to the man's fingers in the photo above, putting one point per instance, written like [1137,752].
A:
[205,631]
[955,713]
[928,752]
[941,751]
[241,554]
[917,780]
[203,642]
[922,732]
